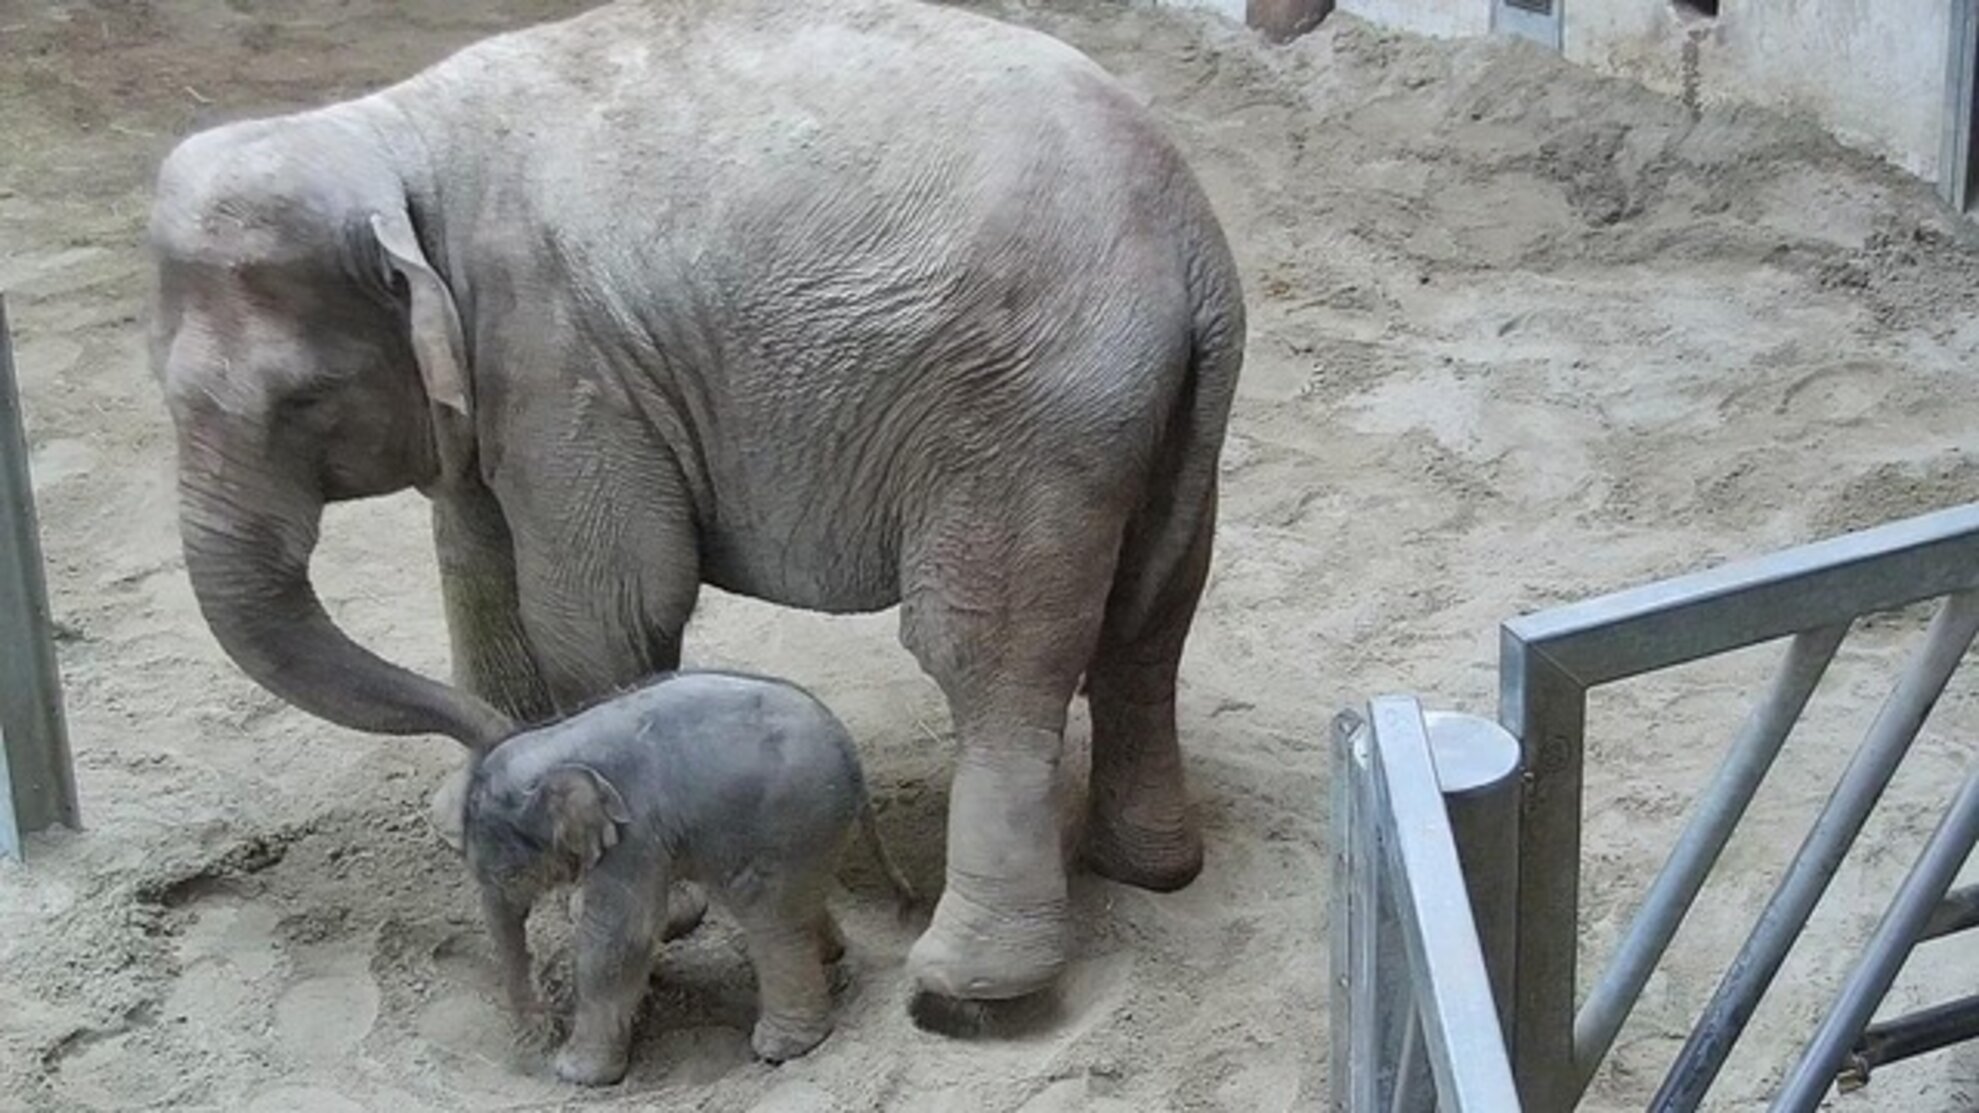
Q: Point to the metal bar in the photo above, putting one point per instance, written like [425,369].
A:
[1704,837]
[1706,613]
[1452,987]
[1478,771]
[1909,1036]
[1959,911]
[1955,148]
[1356,896]
[1411,1069]
[1546,710]
[37,775]
[1937,867]
[1807,877]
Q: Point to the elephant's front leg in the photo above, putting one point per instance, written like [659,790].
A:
[491,655]
[616,932]
[1005,629]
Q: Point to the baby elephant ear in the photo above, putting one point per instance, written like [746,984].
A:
[585,812]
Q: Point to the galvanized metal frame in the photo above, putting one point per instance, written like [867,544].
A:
[1958,154]
[1540,21]
[1416,1021]
[1549,662]
[37,775]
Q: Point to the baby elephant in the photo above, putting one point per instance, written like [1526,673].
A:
[747,785]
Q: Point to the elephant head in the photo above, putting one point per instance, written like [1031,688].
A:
[308,352]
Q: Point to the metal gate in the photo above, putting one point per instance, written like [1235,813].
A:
[1811,596]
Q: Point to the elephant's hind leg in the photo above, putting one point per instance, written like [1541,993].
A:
[1004,614]
[1139,829]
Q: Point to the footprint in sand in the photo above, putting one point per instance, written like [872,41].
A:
[323,1018]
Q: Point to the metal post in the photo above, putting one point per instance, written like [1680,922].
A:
[1955,148]
[1373,983]
[1704,837]
[1886,952]
[37,777]
[1381,1055]
[1862,783]
[1478,769]
[1545,708]
[1450,985]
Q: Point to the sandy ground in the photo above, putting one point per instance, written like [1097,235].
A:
[1519,335]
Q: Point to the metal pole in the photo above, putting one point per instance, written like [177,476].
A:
[1704,837]
[1545,708]
[1807,877]
[1959,911]
[1955,161]
[1451,987]
[1866,987]
[37,776]
[1356,1033]
[1478,767]
[1910,1035]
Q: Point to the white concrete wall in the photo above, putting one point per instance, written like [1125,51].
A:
[1871,71]
[1232,10]
[1446,18]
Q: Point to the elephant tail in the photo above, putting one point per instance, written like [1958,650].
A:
[903,889]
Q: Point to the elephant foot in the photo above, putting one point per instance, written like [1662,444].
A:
[779,1041]
[977,953]
[444,809]
[590,1065]
[1161,852]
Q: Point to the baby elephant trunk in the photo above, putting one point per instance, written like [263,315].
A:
[903,890]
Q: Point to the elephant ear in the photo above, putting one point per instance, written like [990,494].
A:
[585,811]
[437,339]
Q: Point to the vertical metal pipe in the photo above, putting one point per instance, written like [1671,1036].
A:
[1356,896]
[1451,987]
[1807,877]
[1478,767]
[37,775]
[1545,708]
[1704,837]
[1937,867]
[1955,147]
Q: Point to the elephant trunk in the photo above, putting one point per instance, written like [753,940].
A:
[248,535]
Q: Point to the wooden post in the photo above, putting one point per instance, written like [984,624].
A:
[37,776]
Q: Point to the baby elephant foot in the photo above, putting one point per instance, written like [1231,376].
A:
[591,1064]
[778,1041]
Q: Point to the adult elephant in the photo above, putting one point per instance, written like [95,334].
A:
[835,304]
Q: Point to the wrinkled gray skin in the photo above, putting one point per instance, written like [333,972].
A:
[746,785]
[836,304]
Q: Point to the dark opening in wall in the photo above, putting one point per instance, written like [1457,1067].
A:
[1707,9]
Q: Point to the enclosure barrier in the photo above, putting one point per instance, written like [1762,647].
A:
[1549,662]
[37,778]
[1425,822]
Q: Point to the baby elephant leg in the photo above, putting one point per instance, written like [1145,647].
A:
[616,933]
[831,941]
[785,945]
